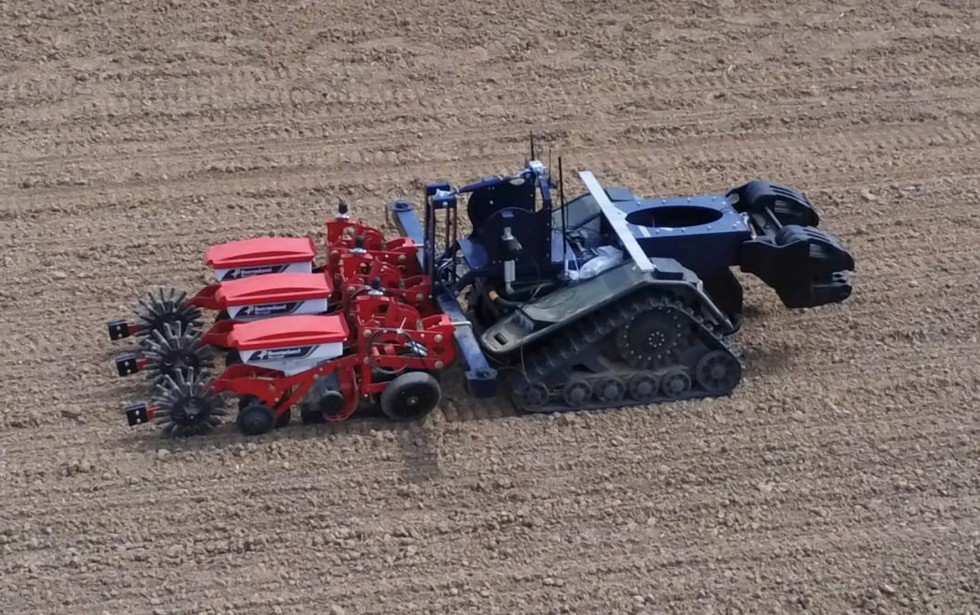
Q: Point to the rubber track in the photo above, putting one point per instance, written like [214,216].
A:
[585,336]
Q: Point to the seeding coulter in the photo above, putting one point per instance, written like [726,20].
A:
[602,301]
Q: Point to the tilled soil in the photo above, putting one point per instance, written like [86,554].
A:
[842,477]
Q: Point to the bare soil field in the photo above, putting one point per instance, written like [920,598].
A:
[842,477]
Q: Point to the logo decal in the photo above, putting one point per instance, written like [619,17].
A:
[268,309]
[280,354]
[247,272]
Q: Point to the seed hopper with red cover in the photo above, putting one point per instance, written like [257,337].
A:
[268,277]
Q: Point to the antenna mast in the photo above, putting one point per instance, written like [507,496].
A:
[564,217]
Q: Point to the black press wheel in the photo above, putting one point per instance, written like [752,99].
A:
[410,396]
[256,418]
[718,372]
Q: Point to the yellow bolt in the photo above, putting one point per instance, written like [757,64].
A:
[438,364]
[438,337]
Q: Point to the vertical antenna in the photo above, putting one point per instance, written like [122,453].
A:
[564,217]
[561,183]
[532,146]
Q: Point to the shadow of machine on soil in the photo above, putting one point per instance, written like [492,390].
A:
[416,443]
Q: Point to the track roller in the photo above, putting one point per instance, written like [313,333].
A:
[576,393]
[643,387]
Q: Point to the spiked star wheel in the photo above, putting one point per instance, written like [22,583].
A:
[176,350]
[187,406]
[164,307]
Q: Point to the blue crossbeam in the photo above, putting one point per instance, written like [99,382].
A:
[481,379]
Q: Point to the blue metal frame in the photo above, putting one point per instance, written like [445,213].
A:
[481,378]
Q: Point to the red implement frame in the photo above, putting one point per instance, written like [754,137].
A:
[400,252]
[356,271]
[386,335]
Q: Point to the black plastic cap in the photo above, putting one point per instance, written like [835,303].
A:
[342,207]
[376,283]
[126,364]
[137,414]
[359,242]
[118,329]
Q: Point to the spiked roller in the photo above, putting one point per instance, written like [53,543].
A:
[175,350]
[166,306]
[185,405]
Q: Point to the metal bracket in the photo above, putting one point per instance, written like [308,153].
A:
[481,378]
[617,219]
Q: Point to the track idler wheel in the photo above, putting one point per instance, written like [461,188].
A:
[410,397]
[256,418]
[166,307]
[186,406]
[718,372]
[176,350]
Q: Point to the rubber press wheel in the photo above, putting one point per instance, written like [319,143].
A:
[410,396]
[256,418]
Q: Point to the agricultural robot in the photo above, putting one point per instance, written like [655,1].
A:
[603,301]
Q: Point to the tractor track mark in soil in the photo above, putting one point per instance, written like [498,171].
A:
[211,97]
[756,424]
[772,153]
[311,153]
[863,551]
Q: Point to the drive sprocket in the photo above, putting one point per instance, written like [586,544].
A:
[176,350]
[166,306]
[651,340]
[186,405]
